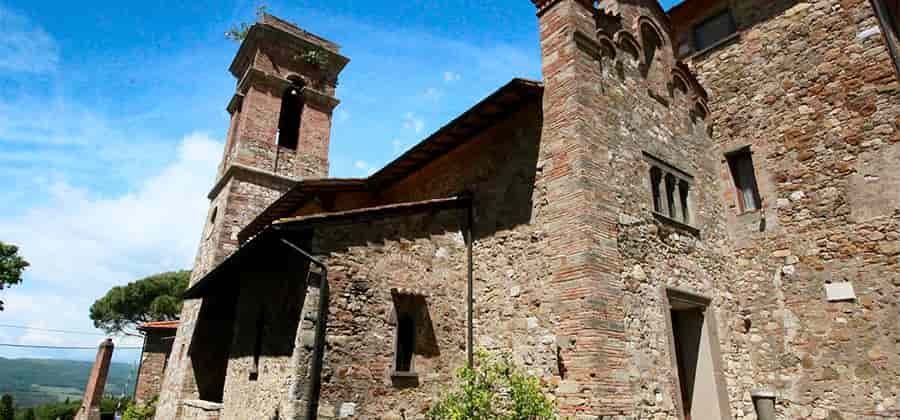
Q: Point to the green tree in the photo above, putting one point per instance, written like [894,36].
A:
[153,298]
[495,390]
[7,411]
[29,414]
[11,266]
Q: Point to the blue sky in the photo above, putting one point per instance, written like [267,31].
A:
[112,119]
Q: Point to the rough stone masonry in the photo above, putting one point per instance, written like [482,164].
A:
[619,251]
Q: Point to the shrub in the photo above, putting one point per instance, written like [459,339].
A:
[137,411]
[495,390]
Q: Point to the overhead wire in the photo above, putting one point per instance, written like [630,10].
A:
[23,327]
[30,346]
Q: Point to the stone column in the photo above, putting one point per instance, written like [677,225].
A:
[663,194]
[93,392]
[686,203]
[676,199]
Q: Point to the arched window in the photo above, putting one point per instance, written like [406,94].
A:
[289,118]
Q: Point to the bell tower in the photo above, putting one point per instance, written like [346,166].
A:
[279,131]
[278,134]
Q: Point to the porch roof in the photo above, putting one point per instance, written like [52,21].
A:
[297,228]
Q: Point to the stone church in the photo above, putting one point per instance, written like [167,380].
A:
[694,215]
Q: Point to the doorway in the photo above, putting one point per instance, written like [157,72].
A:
[695,354]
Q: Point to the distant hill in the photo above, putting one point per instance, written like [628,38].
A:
[40,381]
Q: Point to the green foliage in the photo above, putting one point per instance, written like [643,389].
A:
[238,33]
[29,414]
[496,390]
[153,298]
[316,57]
[7,411]
[137,411]
[11,266]
[62,411]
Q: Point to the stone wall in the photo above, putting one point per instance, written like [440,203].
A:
[157,346]
[260,364]
[810,87]
[425,253]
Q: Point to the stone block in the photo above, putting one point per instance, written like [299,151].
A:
[835,292]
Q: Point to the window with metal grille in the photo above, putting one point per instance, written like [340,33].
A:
[713,30]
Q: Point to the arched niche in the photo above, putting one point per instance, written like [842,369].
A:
[700,111]
[693,84]
[653,39]
[626,43]
[607,46]
[680,82]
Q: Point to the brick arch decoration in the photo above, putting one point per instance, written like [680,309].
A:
[681,78]
[649,23]
[680,83]
[626,42]
[607,46]
[700,110]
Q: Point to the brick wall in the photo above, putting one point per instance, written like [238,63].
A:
[157,346]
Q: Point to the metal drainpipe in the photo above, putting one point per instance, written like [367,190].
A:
[470,286]
[315,383]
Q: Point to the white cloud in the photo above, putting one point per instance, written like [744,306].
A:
[433,93]
[365,167]
[80,244]
[413,122]
[24,46]
[79,240]
[451,77]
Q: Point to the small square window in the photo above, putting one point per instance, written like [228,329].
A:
[741,165]
[713,30]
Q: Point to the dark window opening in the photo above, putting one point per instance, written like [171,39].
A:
[289,117]
[683,190]
[713,30]
[655,180]
[741,165]
[257,347]
[892,9]
[687,327]
[406,343]
[888,13]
